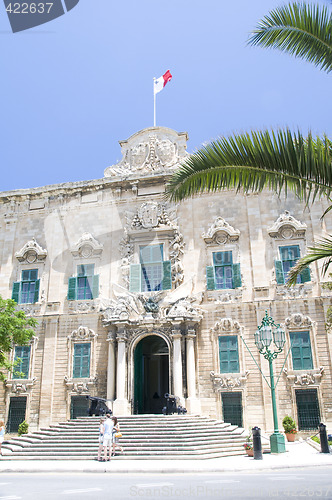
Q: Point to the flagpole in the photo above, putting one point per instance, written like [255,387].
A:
[154,103]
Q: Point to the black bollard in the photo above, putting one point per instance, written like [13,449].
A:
[324,444]
[257,443]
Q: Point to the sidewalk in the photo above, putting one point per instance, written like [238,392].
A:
[298,454]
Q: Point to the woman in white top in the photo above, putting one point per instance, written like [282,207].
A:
[101,438]
[2,433]
[108,427]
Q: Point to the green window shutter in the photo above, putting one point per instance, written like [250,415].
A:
[95,286]
[72,284]
[279,272]
[229,354]
[22,361]
[167,275]
[37,285]
[135,278]
[305,275]
[16,291]
[301,351]
[237,282]
[81,361]
[210,283]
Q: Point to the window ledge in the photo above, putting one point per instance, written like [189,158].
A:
[297,291]
[228,381]
[80,385]
[304,377]
[224,295]
[20,385]
[30,308]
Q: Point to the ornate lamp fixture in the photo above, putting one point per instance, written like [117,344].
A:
[265,333]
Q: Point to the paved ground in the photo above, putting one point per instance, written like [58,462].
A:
[298,454]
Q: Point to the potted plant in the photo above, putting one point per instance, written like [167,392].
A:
[248,446]
[289,426]
[249,449]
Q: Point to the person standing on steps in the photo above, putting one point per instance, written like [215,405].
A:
[2,433]
[107,443]
[101,438]
[116,430]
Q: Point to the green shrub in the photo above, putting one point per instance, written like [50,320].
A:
[289,425]
[23,428]
[317,440]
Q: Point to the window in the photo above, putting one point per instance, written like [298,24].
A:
[22,361]
[26,291]
[153,273]
[85,285]
[229,354]
[301,350]
[81,362]
[223,273]
[289,255]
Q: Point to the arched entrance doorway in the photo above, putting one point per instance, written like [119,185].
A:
[151,374]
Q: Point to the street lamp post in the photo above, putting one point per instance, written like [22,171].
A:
[266,332]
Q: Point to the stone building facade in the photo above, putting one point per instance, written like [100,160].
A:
[136,297]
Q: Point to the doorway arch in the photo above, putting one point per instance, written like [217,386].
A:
[151,374]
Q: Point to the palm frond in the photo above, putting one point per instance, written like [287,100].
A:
[326,211]
[321,250]
[254,161]
[302,30]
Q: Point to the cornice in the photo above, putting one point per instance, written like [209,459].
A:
[78,187]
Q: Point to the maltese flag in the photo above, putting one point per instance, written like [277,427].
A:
[160,83]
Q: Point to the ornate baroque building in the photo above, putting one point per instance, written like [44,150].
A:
[136,297]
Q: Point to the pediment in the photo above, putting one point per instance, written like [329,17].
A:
[287,227]
[87,246]
[152,150]
[220,233]
[31,252]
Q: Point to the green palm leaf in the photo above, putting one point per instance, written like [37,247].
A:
[321,250]
[275,160]
[302,30]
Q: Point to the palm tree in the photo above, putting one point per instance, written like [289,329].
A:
[299,29]
[266,159]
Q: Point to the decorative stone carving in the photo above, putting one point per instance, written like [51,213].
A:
[298,291]
[220,233]
[222,296]
[17,386]
[183,309]
[85,306]
[153,216]
[31,252]
[223,382]
[150,151]
[144,308]
[83,333]
[176,250]
[226,325]
[80,387]
[87,246]
[298,320]
[287,227]
[311,377]
[150,215]
[30,309]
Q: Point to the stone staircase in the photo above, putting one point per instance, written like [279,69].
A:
[144,437]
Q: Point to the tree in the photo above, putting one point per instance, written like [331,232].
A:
[300,29]
[277,160]
[15,329]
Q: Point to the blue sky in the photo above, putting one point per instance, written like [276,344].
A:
[72,88]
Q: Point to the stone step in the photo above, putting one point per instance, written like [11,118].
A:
[143,436]
[192,456]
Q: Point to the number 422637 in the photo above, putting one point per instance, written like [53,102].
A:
[32,8]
